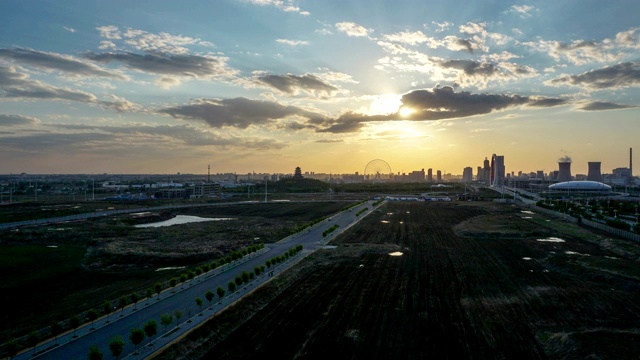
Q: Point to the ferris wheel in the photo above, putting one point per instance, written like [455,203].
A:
[377,170]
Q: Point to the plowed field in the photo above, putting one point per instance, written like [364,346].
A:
[472,282]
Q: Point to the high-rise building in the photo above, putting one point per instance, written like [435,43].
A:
[439,175]
[467,174]
[497,170]
[595,173]
[430,175]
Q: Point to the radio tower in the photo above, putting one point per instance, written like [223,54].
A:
[209,173]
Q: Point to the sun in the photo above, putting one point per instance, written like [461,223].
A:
[405,111]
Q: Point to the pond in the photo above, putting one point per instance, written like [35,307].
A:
[181,219]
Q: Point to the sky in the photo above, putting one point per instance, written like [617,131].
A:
[327,85]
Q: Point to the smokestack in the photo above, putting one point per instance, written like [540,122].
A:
[564,173]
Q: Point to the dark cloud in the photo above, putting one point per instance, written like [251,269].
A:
[17,85]
[471,67]
[291,84]
[237,112]
[53,61]
[445,103]
[618,76]
[441,103]
[329,141]
[17,120]
[195,66]
[603,105]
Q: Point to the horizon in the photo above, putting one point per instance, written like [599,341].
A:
[126,88]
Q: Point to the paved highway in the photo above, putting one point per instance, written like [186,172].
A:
[182,298]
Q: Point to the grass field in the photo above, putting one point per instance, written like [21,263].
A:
[51,273]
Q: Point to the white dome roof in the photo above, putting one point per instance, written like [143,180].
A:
[580,185]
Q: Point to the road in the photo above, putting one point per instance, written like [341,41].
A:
[182,298]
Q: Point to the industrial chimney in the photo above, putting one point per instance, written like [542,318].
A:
[564,173]
[594,171]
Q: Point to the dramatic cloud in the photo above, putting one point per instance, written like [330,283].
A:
[18,85]
[53,61]
[440,103]
[445,103]
[477,73]
[353,29]
[619,76]
[195,66]
[146,41]
[238,112]
[603,105]
[17,120]
[292,84]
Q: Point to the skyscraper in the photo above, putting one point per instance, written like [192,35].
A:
[430,175]
[497,170]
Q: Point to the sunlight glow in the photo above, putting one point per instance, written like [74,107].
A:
[405,112]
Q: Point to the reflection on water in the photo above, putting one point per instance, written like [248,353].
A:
[526,258]
[170,268]
[397,253]
[552,239]
[384,221]
[527,212]
[181,219]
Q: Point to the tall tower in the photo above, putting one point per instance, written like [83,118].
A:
[564,171]
[497,170]
[631,164]
[594,173]
[430,175]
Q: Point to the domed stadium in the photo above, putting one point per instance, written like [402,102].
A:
[580,188]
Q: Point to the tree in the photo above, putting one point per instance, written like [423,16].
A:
[151,329]
[94,353]
[178,315]
[166,320]
[245,277]
[231,286]
[134,297]
[74,322]
[122,302]
[173,282]
[92,315]
[158,288]
[116,346]
[11,347]
[56,329]
[149,293]
[209,295]
[136,336]
[33,339]
[198,271]
[220,292]
[199,302]
[107,308]
[238,280]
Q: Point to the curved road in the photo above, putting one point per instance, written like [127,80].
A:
[182,298]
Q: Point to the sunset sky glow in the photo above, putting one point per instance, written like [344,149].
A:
[268,85]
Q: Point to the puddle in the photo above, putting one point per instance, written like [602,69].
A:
[52,246]
[526,258]
[552,239]
[329,247]
[401,222]
[611,257]
[527,212]
[548,220]
[181,219]
[527,217]
[396,253]
[170,268]
[384,221]
[408,212]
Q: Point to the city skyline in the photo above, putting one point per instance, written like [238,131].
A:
[267,85]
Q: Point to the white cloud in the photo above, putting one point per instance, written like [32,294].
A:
[445,25]
[148,42]
[292,42]
[69,29]
[284,5]
[353,29]
[523,10]
[411,38]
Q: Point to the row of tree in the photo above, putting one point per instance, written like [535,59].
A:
[149,329]
[110,306]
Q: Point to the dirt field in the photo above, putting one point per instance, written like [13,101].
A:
[473,281]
